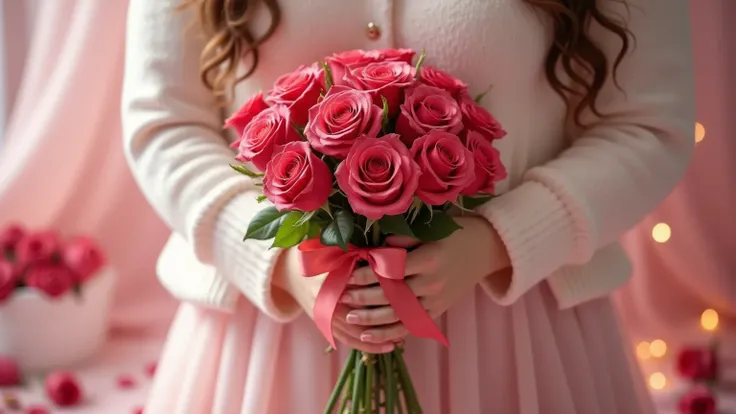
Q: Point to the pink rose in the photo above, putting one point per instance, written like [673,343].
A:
[341,63]
[298,91]
[53,279]
[63,389]
[379,177]
[238,121]
[37,247]
[8,279]
[296,179]
[342,117]
[426,109]
[447,167]
[386,79]
[398,55]
[268,130]
[9,372]
[36,409]
[477,118]
[488,166]
[443,80]
[83,257]
[10,237]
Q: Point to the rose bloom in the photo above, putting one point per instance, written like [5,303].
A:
[8,279]
[443,80]
[53,279]
[698,400]
[447,167]
[10,237]
[268,130]
[83,257]
[240,119]
[298,91]
[63,389]
[296,179]
[488,166]
[9,372]
[37,247]
[477,118]
[427,108]
[386,79]
[379,177]
[697,364]
[340,63]
[342,117]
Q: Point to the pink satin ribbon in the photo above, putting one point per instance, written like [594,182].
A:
[388,263]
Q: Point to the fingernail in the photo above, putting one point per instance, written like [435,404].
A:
[345,298]
[366,337]
[352,318]
[351,281]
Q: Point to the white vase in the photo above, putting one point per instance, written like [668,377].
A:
[42,333]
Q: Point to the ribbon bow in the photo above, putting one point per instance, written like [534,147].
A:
[388,263]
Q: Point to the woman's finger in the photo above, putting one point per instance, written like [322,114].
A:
[388,333]
[383,315]
[424,259]
[372,348]
[363,276]
[364,296]
[402,241]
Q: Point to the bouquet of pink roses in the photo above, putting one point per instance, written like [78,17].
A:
[349,151]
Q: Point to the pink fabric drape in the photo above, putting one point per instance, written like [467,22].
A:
[62,165]
[696,269]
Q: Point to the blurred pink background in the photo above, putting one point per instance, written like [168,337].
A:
[61,166]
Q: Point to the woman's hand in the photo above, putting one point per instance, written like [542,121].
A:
[304,290]
[438,273]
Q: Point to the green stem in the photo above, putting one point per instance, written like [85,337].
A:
[412,402]
[376,233]
[347,393]
[346,370]
[369,370]
[377,385]
[389,382]
[358,385]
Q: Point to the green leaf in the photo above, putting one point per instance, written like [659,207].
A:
[339,231]
[291,232]
[306,217]
[384,120]
[328,76]
[245,171]
[313,229]
[261,198]
[432,226]
[471,203]
[396,225]
[422,55]
[482,95]
[265,224]
[368,225]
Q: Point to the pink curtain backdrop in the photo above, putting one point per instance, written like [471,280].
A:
[696,268]
[62,164]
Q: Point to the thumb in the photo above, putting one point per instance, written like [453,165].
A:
[402,241]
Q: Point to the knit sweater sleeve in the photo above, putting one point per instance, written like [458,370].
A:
[174,144]
[618,168]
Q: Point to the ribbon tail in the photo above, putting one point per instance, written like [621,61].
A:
[410,311]
[329,296]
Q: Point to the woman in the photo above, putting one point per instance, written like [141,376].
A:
[597,101]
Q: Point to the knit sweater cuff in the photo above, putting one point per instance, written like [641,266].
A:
[538,233]
[249,264]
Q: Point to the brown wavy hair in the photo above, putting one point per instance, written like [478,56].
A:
[227,23]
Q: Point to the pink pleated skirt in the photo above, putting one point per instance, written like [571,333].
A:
[528,358]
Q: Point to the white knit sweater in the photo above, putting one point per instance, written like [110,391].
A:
[564,205]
